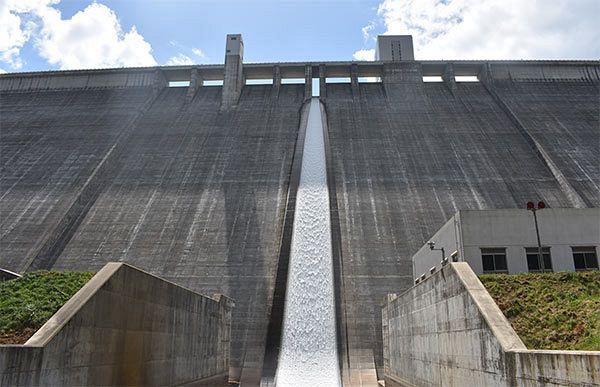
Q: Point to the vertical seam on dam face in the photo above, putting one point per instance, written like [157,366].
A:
[308,354]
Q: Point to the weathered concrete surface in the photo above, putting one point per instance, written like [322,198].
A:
[126,327]
[448,331]
[562,117]
[51,142]
[199,199]
[199,196]
[405,160]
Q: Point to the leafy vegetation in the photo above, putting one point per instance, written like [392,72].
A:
[550,310]
[28,302]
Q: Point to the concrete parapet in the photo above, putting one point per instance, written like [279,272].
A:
[87,79]
[448,331]
[398,72]
[126,327]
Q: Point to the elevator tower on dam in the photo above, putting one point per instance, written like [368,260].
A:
[191,173]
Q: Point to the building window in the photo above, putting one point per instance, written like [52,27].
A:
[585,258]
[494,260]
[533,259]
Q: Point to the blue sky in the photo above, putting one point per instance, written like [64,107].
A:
[63,34]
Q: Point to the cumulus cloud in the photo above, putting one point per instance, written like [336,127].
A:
[92,38]
[17,24]
[496,29]
[364,55]
[179,60]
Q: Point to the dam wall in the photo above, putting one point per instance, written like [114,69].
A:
[50,144]
[113,165]
[199,199]
[407,154]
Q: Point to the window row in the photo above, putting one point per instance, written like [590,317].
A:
[494,259]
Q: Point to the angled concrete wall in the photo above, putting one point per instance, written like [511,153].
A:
[126,327]
[448,331]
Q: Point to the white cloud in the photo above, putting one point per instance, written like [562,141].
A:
[366,30]
[92,38]
[364,55]
[496,29]
[199,53]
[2,71]
[17,24]
[180,60]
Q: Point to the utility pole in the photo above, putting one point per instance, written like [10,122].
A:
[531,207]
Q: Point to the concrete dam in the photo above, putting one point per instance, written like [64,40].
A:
[198,184]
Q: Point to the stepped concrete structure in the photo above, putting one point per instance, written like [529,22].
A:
[196,184]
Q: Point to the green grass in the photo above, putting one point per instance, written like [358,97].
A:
[550,310]
[28,302]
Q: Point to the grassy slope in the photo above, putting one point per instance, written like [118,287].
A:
[551,310]
[28,302]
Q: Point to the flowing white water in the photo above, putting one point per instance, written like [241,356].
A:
[308,355]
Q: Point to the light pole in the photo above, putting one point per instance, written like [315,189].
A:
[432,247]
[531,207]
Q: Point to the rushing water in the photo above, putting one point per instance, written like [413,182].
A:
[308,355]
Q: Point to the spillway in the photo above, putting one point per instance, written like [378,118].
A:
[308,354]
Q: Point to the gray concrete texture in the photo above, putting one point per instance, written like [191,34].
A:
[126,327]
[408,154]
[197,195]
[448,331]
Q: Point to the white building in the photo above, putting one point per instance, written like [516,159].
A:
[504,241]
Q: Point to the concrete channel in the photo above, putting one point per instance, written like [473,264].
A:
[309,348]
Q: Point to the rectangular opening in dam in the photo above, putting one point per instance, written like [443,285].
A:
[292,81]
[434,78]
[337,80]
[316,87]
[466,78]
[369,79]
[179,83]
[214,82]
[266,81]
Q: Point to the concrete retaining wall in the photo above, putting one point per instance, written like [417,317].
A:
[449,331]
[126,327]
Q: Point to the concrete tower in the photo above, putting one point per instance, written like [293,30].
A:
[394,48]
[233,78]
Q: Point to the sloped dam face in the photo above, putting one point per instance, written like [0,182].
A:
[308,354]
[99,166]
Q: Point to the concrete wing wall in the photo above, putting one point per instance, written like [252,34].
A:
[126,327]
[448,331]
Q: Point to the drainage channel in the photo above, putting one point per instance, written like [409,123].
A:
[308,354]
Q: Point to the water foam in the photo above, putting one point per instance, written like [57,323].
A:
[308,355]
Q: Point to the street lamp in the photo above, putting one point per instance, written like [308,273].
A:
[432,247]
[531,207]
